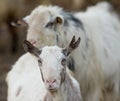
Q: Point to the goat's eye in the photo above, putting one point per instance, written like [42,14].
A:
[63,61]
[50,24]
[40,62]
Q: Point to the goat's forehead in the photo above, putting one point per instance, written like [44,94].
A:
[43,14]
[54,10]
[52,51]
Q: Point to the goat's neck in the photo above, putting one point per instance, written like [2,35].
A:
[57,96]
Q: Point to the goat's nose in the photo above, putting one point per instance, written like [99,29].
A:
[50,82]
[51,85]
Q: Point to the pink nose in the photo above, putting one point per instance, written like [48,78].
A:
[50,83]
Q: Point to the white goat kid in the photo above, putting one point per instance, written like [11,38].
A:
[52,83]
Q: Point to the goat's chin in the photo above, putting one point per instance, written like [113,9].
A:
[52,90]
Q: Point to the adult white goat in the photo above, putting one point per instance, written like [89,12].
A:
[97,58]
[48,81]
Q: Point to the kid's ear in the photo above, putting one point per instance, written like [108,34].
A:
[72,46]
[28,47]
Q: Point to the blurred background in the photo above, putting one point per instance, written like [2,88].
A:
[11,38]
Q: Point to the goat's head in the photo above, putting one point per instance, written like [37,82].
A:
[52,62]
[45,22]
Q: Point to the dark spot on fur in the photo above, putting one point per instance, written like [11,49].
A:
[18,91]
[57,39]
[63,75]
[71,64]
[87,42]
[65,33]
[83,55]
[105,52]
[68,17]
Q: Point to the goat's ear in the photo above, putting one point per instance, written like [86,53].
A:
[72,46]
[18,23]
[28,47]
[57,21]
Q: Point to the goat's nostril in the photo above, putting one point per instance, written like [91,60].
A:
[47,81]
[54,81]
[50,81]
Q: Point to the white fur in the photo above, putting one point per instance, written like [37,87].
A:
[25,74]
[97,59]
[25,82]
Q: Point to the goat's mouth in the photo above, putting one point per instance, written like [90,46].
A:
[52,90]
